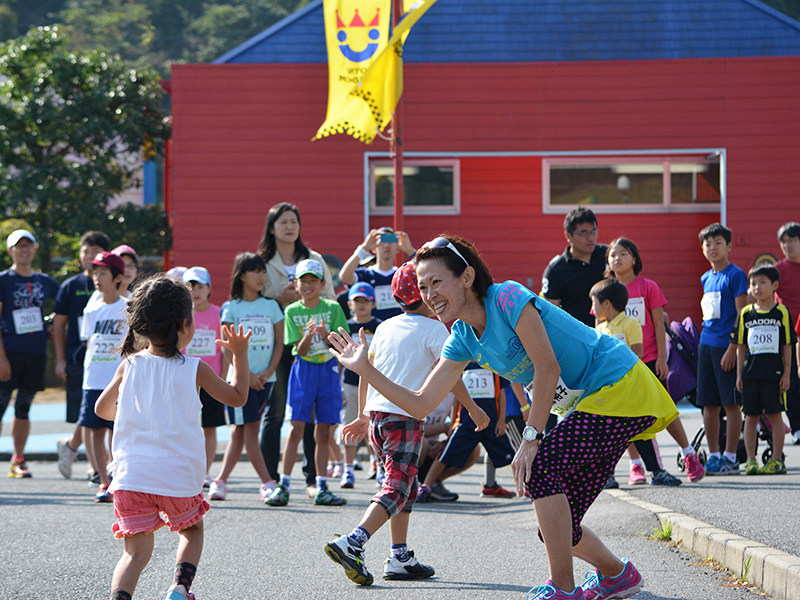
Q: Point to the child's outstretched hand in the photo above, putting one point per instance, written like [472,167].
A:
[235,341]
[481,418]
[352,355]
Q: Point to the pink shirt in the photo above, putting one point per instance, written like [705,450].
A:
[789,288]
[643,296]
[203,345]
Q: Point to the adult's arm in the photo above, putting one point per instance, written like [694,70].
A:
[60,344]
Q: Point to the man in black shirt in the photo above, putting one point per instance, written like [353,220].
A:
[569,276]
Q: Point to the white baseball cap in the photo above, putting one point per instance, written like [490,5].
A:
[198,274]
[309,265]
[15,236]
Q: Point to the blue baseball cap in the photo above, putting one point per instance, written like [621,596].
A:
[198,274]
[361,290]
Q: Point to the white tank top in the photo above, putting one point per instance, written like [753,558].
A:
[158,443]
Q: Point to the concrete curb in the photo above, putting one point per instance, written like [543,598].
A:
[772,570]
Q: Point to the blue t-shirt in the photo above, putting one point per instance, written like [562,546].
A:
[588,359]
[351,377]
[260,316]
[70,301]
[22,321]
[719,304]
[385,304]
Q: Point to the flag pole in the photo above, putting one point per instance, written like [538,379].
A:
[397,141]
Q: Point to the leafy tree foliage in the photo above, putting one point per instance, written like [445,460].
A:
[72,129]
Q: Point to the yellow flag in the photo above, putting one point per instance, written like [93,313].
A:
[356,31]
[382,85]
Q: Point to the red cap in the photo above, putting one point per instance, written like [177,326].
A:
[109,259]
[404,285]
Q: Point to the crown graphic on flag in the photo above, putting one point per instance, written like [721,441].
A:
[357,21]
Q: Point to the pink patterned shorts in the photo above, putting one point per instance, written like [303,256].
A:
[138,512]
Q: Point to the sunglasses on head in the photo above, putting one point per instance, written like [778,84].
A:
[443,242]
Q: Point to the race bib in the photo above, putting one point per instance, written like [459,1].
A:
[763,339]
[621,337]
[203,343]
[711,305]
[27,320]
[263,337]
[480,383]
[635,310]
[103,347]
[318,346]
[384,298]
[565,399]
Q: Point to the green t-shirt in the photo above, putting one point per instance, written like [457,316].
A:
[328,312]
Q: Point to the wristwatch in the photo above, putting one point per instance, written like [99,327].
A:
[529,434]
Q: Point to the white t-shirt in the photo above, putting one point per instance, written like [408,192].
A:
[158,443]
[440,414]
[404,348]
[104,326]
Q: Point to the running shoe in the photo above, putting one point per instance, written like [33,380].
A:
[325,497]
[636,475]
[348,480]
[694,468]
[423,494]
[218,490]
[357,466]
[373,470]
[207,481]
[280,497]
[267,490]
[411,568]
[350,555]
[66,456]
[18,469]
[439,493]
[663,477]
[311,491]
[712,464]
[338,471]
[624,585]
[722,467]
[178,592]
[103,495]
[773,467]
[796,438]
[550,592]
[751,467]
[94,479]
[611,484]
[496,491]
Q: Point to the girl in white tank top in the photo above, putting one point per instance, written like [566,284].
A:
[158,445]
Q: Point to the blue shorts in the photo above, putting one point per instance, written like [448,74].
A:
[464,438]
[715,387]
[251,412]
[315,388]
[87,418]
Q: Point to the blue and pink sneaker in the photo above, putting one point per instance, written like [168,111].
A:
[624,585]
[550,592]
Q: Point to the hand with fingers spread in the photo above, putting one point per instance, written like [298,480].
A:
[351,355]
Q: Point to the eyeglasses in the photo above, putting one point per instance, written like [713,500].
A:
[443,242]
[586,233]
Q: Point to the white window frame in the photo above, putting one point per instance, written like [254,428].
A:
[454,163]
[663,158]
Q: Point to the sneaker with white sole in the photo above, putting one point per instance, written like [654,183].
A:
[267,490]
[279,497]
[439,493]
[207,481]
[342,550]
[217,490]
[66,456]
[624,585]
[178,592]
[694,468]
[348,480]
[325,497]
[636,475]
[411,568]
[548,591]
[722,466]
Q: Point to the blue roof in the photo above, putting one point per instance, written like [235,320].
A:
[463,31]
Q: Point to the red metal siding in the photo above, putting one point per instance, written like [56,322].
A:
[241,144]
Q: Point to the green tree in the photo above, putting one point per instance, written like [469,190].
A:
[72,129]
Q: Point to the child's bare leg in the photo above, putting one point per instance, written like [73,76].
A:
[750,423]
[96,437]
[253,448]
[334,452]
[398,527]
[135,556]
[778,434]
[292,441]
[435,470]
[350,454]
[633,453]
[190,546]
[733,416]
[555,523]
[88,447]
[374,518]
[711,426]
[593,551]
[233,452]
[678,433]
[210,436]
[322,435]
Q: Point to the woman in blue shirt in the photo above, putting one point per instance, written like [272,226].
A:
[607,396]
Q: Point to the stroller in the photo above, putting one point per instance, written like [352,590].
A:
[682,341]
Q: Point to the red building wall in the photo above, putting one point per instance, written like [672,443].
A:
[242,143]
